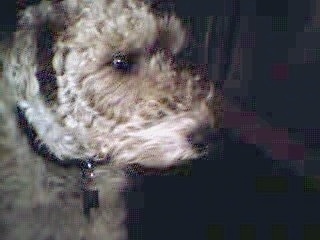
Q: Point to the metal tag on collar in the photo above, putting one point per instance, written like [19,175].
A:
[90,192]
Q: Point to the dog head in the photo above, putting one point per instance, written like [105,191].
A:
[109,83]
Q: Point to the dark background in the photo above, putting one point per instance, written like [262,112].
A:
[234,196]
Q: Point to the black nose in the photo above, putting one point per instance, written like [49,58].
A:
[201,137]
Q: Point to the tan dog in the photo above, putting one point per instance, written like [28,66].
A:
[106,90]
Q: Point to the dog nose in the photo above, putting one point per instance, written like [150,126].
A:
[201,137]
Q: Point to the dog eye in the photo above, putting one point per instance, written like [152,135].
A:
[121,62]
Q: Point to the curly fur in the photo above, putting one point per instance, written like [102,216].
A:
[143,116]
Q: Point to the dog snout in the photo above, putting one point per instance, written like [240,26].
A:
[201,137]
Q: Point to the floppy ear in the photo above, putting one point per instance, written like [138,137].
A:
[172,34]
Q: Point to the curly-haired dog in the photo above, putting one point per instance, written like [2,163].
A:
[92,80]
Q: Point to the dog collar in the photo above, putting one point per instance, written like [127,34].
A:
[89,189]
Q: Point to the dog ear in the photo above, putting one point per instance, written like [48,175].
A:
[164,6]
[172,34]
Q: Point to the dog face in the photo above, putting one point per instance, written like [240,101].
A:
[117,91]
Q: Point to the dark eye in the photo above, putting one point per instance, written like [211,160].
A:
[121,62]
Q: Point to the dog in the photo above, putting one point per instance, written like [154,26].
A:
[95,85]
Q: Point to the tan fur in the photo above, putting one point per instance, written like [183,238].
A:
[142,117]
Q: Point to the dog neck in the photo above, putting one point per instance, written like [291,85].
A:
[87,166]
